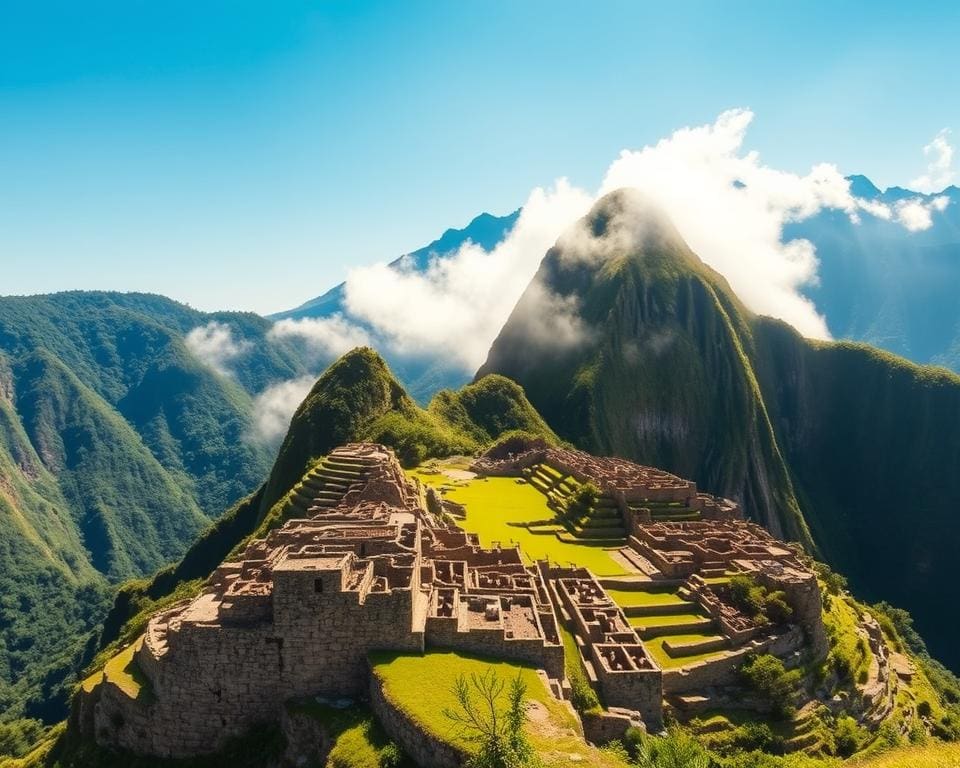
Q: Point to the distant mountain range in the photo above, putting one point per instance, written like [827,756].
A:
[422,375]
[879,282]
[885,285]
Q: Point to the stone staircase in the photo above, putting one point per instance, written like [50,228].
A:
[668,511]
[325,485]
[603,524]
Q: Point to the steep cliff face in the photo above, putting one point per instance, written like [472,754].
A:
[656,365]
[872,442]
[838,445]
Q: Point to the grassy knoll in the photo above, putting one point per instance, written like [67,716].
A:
[423,687]
[494,503]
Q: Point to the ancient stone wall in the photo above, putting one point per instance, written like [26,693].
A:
[426,750]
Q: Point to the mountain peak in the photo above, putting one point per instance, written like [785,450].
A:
[624,229]
[861,186]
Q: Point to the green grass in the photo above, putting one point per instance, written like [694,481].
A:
[931,756]
[358,740]
[423,687]
[493,503]
[666,661]
[584,697]
[671,620]
[659,596]
[124,672]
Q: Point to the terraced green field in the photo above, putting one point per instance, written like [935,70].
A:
[666,661]
[661,596]
[673,620]
[493,503]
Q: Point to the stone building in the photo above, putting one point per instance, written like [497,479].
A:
[369,560]
[299,611]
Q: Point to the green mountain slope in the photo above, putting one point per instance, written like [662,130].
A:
[117,447]
[356,398]
[836,445]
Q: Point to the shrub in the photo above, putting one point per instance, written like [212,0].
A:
[582,696]
[678,749]
[847,736]
[391,756]
[766,676]
[834,582]
[581,500]
[757,602]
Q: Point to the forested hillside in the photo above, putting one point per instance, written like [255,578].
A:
[118,447]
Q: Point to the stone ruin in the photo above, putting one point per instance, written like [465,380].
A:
[373,562]
[297,613]
[626,675]
[676,537]
[634,487]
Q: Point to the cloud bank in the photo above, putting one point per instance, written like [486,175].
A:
[940,173]
[324,337]
[458,305]
[729,206]
[215,345]
[273,408]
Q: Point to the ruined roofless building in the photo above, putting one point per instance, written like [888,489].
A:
[299,611]
[373,564]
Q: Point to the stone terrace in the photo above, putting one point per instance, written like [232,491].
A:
[682,546]
[633,486]
[297,613]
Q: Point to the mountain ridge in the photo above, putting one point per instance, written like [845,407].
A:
[118,446]
[675,373]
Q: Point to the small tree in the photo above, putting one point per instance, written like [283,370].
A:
[491,716]
[581,500]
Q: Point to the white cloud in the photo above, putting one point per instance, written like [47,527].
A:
[916,214]
[326,337]
[215,346]
[729,207]
[457,307]
[273,408]
[940,172]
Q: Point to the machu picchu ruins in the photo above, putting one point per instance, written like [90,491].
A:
[369,558]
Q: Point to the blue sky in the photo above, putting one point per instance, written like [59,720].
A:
[244,155]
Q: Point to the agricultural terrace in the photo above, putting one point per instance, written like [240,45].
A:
[497,506]
[124,672]
[423,687]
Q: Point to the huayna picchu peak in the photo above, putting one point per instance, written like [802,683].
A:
[836,445]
